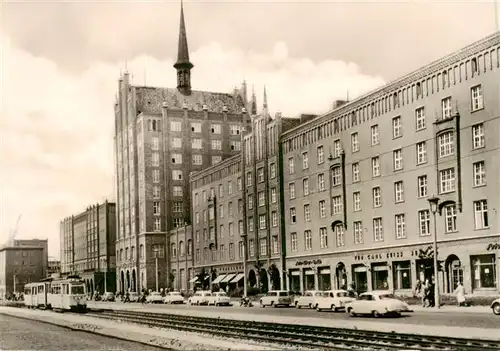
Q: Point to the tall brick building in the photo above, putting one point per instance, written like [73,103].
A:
[161,136]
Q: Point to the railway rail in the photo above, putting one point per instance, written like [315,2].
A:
[298,335]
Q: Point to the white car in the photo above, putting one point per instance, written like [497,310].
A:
[377,304]
[275,298]
[200,298]
[173,297]
[154,297]
[308,299]
[333,300]
[495,306]
[219,299]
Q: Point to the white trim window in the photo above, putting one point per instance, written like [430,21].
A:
[398,159]
[291,165]
[274,218]
[262,221]
[377,196]
[305,186]
[262,198]
[397,129]
[274,196]
[447,180]
[479,173]
[322,209]
[358,232]
[446,107]
[422,186]
[481,214]
[293,215]
[337,204]
[157,224]
[477,102]
[477,136]
[378,229]
[176,126]
[308,239]
[450,218]
[375,166]
[216,144]
[320,154]
[446,144]
[196,143]
[421,152]
[400,226]
[375,135]
[399,192]
[323,237]
[291,190]
[356,201]
[336,176]
[305,160]
[424,223]
[294,242]
[355,142]
[337,148]
[355,172]
[340,235]
[420,120]
[156,208]
[307,212]
[321,182]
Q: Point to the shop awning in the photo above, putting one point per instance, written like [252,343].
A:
[219,278]
[193,280]
[228,278]
[238,278]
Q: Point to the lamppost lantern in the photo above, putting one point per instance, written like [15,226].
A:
[433,202]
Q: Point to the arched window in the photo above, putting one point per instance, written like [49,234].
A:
[141,251]
[181,248]
[190,247]
[173,250]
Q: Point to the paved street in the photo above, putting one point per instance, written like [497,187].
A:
[23,334]
[466,319]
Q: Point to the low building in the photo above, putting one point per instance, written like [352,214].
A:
[54,266]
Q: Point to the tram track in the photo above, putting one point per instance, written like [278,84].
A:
[298,335]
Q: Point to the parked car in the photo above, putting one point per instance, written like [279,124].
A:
[200,298]
[495,306]
[108,296]
[134,297]
[333,300]
[308,299]
[219,299]
[173,297]
[377,304]
[154,297]
[276,298]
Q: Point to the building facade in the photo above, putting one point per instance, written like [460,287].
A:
[357,181]
[43,243]
[54,267]
[88,246]
[161,135]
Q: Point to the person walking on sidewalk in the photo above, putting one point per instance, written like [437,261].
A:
[419,292]
[460,292]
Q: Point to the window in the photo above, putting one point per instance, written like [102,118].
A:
[337,204]
[484,273]
[420,120]
[321,182]
[155,159]
[249,179]
[479,173]
[323,238]
[336,176]
[274,195]
[262,221]
[262,198]
[293,215]
[478,136]
[274,218]
[221,229]
[176,174]
[293,242]
[157,224]
[422,186]
[477,98]
[358,232]
[291,190]
[291,165]
[447,180]
[155,143]
[400,226]
[156,207]
[197,160]
[339,235]
[229,187]
[377,197]
[446,144]
[354,142]
[375,135]
[156,175]
[156,192]
[398,159]
[216,144]
[481,214]
[231,229]
[378,230]
[308,240]
[322,209]
[356,201]
[355,172]
[424,222]
[196,143]
[178,206]
[450,217]
[399,192]
[176,143]
[402,275]
[397,130]
[375,166]
[446,107]
[195,127]
[235,145]
[211,213]
[176,159]
[320,154]
[337,148]
[240,249]
[275,244]
[173,250]
[216,159]
[197,217]
[176,126]
[272,170]
[250,202]
[305,186]
[263,246]
[307,212]
[240,206]
[305,160]
[239,183]
[234,129]
[216,129]
[221,190]
[421,152]
[260,175]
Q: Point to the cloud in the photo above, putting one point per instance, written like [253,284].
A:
[56,128]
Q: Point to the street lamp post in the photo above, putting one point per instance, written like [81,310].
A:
[156,268]
[433,202]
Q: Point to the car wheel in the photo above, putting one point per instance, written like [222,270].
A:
[334,309]
[376,314]
[496,309]
[318,309]
[316,306]
[351,312]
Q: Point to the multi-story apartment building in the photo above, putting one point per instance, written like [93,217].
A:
[236,205]
[43,243]
[161,135]
[357,181]
[88,246]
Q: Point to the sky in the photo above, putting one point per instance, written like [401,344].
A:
[60,62]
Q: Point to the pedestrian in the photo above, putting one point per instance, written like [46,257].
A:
[425,293]
[419,292]
[460,292]
[430,295]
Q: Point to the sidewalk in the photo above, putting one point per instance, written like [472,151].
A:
[452,309]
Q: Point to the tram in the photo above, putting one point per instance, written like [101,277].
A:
[35,295]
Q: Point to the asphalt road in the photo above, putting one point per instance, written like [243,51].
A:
[466,319]
[23,334]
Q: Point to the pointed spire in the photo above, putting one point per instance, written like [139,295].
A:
[265,98]
[254,102]
[183,66]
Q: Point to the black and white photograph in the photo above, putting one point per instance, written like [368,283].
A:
[250,175]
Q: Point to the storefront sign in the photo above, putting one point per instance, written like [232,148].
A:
[308,262]
[493,247]
[379,256]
